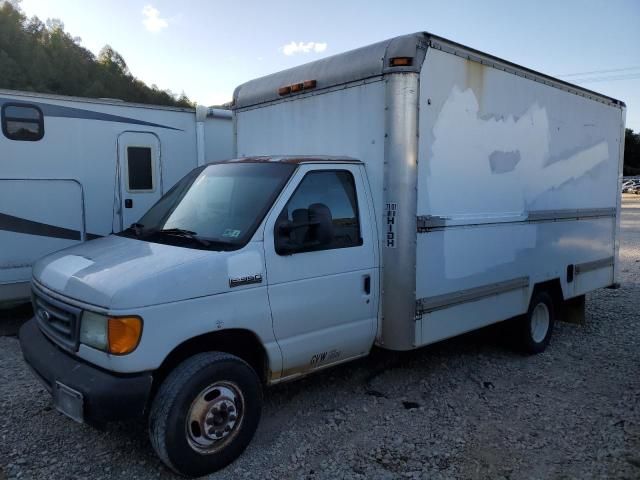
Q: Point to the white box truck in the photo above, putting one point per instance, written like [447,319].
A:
[75,168]
[427,190]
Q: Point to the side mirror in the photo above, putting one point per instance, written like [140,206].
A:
[282,241]
[290,235]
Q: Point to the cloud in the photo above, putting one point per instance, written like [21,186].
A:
[293,48]
[152,19]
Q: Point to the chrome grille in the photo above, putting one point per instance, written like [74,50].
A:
[58,320]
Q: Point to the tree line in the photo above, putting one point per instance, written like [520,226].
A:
[631,152]
[42,57]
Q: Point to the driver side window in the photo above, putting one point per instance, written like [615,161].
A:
[322,214]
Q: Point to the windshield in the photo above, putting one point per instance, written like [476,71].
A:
[218,206]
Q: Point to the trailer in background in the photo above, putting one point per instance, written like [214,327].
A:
[73,169]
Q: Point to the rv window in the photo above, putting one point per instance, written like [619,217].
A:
[140,168]
[323,197]
[22,122]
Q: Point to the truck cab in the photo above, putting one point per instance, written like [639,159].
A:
[270,262]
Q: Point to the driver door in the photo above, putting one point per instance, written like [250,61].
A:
[323,291]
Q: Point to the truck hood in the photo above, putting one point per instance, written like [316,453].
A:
[122,273]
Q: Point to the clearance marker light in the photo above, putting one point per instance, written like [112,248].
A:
[297,87]
[401,61]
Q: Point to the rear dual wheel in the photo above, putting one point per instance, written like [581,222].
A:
[534,329]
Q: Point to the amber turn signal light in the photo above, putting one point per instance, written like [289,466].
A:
[124,334]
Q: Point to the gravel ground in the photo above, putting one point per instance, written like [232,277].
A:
[466,408]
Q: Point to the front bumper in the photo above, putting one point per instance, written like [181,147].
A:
[104,396]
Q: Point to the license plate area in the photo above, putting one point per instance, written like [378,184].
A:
[68,401]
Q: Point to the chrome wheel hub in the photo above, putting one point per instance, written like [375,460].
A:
[215,417]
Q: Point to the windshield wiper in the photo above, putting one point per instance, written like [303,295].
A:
[179,232]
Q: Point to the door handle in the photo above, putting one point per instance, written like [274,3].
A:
[367,284]
[128,203]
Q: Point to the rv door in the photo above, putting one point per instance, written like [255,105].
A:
[140,173]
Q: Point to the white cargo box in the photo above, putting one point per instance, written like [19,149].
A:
[488,178]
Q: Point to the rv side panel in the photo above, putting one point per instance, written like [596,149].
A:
[27,231]
[78,166]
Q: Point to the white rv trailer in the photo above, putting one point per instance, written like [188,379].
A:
[264,269]
[76,168]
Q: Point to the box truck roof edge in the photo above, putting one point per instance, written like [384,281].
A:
[404,53]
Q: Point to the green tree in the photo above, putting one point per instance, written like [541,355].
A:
[41,57]
[631,152]
[112,61]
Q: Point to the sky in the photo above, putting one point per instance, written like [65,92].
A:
[207,48]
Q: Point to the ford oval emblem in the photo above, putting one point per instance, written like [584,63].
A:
[44,315]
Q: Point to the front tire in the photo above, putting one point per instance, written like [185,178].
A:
[205,413]
[536,326]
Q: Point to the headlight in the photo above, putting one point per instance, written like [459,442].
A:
[93,330]
[115,335]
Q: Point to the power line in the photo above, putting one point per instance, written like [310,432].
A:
[612,70]
[609,78]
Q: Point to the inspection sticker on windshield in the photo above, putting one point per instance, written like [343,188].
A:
[231,233]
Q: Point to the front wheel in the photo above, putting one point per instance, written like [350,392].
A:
[205,413]
[536,326]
